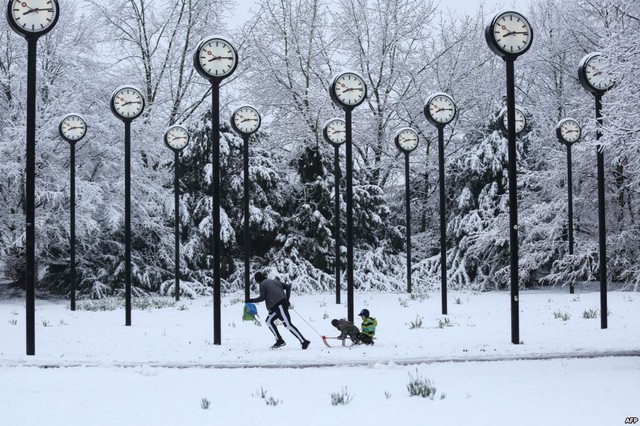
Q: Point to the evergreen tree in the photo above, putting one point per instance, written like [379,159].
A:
[479,223]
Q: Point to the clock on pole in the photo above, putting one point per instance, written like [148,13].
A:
[348,90]
[568,132]
[245,121]
[72,129]
[406,141]
[127,104]
[440,110]
[335,133]
[521,121]
[216,59]
[510,35]
[594,75]
[31,19]
[176,138]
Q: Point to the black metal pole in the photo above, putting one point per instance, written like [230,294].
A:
[336,227]
[408,213]
[349,167]
[513,203]
[176,195]
[247,240]
[215,166]
[443,224]
[30,271]
[127,220]
[601,219]
[72,190]
[570,208]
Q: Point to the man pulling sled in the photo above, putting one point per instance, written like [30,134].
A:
[276,296]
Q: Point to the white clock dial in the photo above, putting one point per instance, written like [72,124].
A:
[246,119]
[349,89]
[440,109]
[127,103]
[217,57]
[407,139]
[520,120]
[335,131]
[511,33]
[176,137]
[569,130]
[73,128]
[33,16]
[596,71]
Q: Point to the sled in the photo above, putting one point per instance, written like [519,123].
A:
[344,342]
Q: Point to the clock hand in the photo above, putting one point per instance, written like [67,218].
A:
[215,58]
[514,32]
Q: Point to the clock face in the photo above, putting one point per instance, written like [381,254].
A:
[596,73]
[33,16]
[73,128]
[127,103]
[176,137]
[568,130]
[246,120]
[349,90]
[509,34]
[440,109]
[407,139]
[520,120]
[216,58]
[335,131]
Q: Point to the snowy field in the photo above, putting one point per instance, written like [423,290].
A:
[567,371]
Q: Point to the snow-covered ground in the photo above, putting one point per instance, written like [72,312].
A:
[158,371]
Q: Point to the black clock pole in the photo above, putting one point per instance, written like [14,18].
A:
[601,218]
[336,226]
[570,208]
[247,240]
[215,177]
[443,224]
[349,168]
[408,217]
[176,199]
[127,220]
[72,190]
[513,202]
[30,271]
